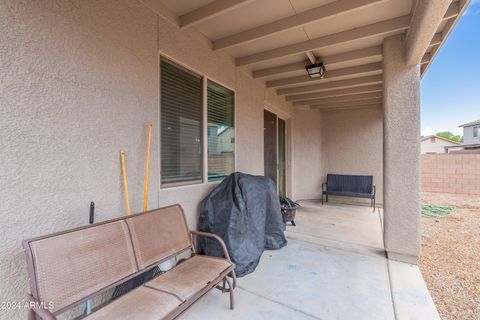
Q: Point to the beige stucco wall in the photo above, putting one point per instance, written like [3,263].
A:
[401,158]
[79,82]
[353,144]
[346,141]
[193,50]
[307,154]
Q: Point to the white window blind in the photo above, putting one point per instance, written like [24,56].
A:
[181,125]
[221,131]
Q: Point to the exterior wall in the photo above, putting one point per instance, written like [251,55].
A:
[468,137]
[451,173]
[353,144]
[342,141]
[401,153]
[79,82]
[427,146]
[307,155]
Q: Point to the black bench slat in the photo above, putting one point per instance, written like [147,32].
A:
[358,186]
[349,183]
[349,194]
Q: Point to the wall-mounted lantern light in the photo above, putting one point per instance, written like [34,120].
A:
[315,70]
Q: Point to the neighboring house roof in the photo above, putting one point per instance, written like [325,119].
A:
[441,138]
[469,124]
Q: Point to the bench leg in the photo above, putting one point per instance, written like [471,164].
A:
[373,204]
[230,287]
[223,288]
[326,197]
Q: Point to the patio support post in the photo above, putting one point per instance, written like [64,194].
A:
[401,152]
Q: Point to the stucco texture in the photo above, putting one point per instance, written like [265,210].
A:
[401,92]
[76,87]
[79,82]
[307,161]
[353,144]
[348,141]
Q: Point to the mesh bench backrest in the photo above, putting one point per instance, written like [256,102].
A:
[349,183]
[158,234]
[70,266]
[66,268]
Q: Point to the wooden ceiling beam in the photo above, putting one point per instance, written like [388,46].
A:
[298,20]
[426,58]
[349,98]
[350,71]
[376,101]
[437,39]
[377,79]
[452,11]
[462,7]
[328,61]
[350,107]
[209,11]
[426,18]
[336,93]
[382,27]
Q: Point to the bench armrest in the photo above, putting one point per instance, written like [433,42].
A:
[374,190]
[324,185]
[224,247]
[214,236]
[44,314]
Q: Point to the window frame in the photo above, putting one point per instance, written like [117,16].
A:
[200,77]
[204,124]
[477,127]
[206,127]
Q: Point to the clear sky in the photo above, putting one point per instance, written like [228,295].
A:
[450,90]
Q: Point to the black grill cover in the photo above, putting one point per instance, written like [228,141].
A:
[244,210]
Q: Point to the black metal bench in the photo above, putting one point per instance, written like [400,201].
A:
[349,186]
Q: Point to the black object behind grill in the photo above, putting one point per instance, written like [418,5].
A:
[289,208]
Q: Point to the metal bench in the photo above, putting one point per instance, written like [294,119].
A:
[71,267]
[349,186]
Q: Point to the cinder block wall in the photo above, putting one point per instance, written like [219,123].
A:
[451,173]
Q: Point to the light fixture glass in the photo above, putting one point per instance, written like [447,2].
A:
[315,70]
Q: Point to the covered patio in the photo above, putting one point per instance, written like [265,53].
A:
[224,86]
[334,267]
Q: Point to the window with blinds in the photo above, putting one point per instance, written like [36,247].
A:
[221,131]
[181,125]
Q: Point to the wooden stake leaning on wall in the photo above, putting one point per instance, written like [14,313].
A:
[125,186]
[147,165]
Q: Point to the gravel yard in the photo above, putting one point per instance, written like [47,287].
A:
[450,261]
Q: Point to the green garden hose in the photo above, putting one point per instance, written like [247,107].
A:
[435,212]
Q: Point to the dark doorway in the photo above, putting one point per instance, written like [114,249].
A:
[274,149]
[282,168]
[270,145]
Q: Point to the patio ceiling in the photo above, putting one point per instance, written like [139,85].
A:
[274,39]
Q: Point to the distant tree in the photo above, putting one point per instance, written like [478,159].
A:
[450,136]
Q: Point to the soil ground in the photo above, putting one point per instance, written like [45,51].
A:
[450,260]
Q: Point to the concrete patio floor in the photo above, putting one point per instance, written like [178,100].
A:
[334,267]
